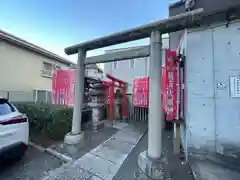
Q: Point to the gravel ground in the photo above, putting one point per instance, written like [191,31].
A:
[178,169]
[32,167]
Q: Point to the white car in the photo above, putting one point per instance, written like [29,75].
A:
[14,131]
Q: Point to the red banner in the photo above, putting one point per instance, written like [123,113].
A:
[171,85]
[140,94]
[63,87]
[109,91]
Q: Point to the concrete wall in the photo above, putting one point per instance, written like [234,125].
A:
[21,69]
[212,115]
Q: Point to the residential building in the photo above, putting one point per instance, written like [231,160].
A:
[26,69]
[129,70]
[92,70]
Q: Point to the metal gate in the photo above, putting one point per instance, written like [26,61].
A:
[140,114]
[136,113]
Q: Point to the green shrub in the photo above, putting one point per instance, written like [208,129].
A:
[37,114]
[53,120]
[60,124]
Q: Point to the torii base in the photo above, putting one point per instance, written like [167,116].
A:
[73,138]
[151,168]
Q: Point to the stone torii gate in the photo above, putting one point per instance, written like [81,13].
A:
[153,156]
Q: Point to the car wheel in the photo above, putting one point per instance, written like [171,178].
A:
[21,153]
[19,156]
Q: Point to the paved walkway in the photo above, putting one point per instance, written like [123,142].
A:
[90,141]
[177,169]
[104,161]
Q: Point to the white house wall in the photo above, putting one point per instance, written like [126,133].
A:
[94,73]
[20,69]
[212,116]
[125,72]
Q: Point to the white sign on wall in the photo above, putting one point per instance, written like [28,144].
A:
[221,85]
[235,86]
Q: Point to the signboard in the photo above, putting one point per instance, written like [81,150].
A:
[235,86]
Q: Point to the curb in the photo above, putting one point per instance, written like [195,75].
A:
[49,150]
[40,148]
[61,156]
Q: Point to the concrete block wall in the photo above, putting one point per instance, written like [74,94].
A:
[212,115]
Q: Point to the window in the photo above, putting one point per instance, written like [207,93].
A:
[5,108]
[48,69]
[57,67]
[115,64]
[132,63]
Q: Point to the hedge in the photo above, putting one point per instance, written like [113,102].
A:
[60,123]
[53,120]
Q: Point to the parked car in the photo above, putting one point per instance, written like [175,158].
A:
[14,131]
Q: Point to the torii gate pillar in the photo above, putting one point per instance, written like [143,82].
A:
[76,134]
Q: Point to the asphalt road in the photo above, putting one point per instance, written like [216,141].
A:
[33,166]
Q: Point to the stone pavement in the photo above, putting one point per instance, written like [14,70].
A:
[104,161]
[177,168]
[112,153]
[90,141]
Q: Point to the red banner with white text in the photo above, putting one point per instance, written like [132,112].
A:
[171,85]
[140,91]
[63,87]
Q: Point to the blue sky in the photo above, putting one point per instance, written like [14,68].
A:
[56,24]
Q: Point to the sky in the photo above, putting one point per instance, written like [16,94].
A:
[56,24]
